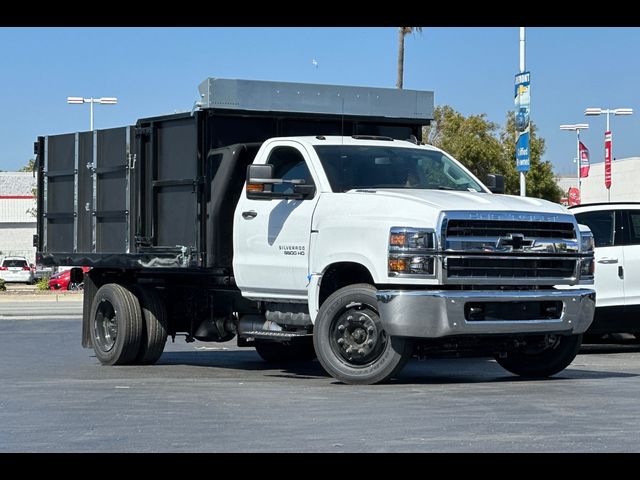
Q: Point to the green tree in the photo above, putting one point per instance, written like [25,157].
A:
[471,140]
[402,32]
[541,181]
[481,147]
[29,166]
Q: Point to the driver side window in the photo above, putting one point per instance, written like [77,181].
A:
[288,164]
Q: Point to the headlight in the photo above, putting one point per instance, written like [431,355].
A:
[587,265]
[411,251]
[587,268]
[586,242]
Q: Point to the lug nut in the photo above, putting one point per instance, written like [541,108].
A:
[349,318]
[341,328]
[349,350]
[362,319]
[340,341]
[370,343]
[361,351]
[370,329]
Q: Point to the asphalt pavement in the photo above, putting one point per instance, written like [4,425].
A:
[208,397]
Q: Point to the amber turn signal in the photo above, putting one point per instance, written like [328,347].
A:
[397,264]
[255,187]
[397,239]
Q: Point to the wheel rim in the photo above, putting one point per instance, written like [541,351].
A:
[357,337]
[106,326]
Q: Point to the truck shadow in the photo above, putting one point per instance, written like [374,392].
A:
[241,360]
[439,371]
[486,370]
[590,349]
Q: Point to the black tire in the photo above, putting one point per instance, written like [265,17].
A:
[154,325]
[277,352]
[543,362]
[350,342]
[115,325]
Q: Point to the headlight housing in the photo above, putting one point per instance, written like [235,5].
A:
[587,264]
[587,243]
[412,252]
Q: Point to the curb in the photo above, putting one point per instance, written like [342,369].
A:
[42,296]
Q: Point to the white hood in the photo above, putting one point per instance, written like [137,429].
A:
[447,200]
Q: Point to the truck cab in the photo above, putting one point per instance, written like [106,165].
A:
[328,221]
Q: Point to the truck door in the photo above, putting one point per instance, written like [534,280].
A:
[631,267]
[271,237]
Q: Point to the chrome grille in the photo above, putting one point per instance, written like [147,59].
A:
[496,228]
[509,248]
[510,267]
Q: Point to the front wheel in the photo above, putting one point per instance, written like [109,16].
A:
[542,356]
[350,342]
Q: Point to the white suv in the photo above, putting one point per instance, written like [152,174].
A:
[616,231]
[16,269]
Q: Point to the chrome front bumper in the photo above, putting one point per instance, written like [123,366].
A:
[441,313]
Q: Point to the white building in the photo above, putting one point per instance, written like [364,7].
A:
[17,215]
[625,182]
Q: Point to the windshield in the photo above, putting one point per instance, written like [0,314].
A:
[361,167]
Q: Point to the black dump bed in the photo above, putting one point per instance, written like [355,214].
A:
[162,193]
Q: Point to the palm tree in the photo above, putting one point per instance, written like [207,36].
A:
[401,34]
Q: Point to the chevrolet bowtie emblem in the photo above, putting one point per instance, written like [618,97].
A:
[514,240]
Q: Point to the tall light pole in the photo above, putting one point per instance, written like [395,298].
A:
[91,101]
[523,181]
[608,140]
[576,127]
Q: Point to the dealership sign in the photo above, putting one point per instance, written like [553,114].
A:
[523,124]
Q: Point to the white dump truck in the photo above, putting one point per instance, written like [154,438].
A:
[308,220]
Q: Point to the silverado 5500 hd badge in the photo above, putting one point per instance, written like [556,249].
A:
[292,249]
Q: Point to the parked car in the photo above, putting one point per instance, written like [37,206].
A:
[62,281]
[616,232]
[16,269]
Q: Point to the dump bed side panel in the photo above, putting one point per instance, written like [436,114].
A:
[84,204]
[170,186]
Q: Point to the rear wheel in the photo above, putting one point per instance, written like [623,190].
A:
[115,325]
[542,356]
[278,352]
[154,325]
[350,342]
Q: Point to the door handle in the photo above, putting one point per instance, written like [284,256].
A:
[252,214]
[608,260]
[621,272]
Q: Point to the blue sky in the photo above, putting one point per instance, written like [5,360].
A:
[155,71]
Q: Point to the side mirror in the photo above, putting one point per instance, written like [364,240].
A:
[495,183]
[260,183]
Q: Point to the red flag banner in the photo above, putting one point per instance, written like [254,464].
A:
[607,159]
[584,161]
